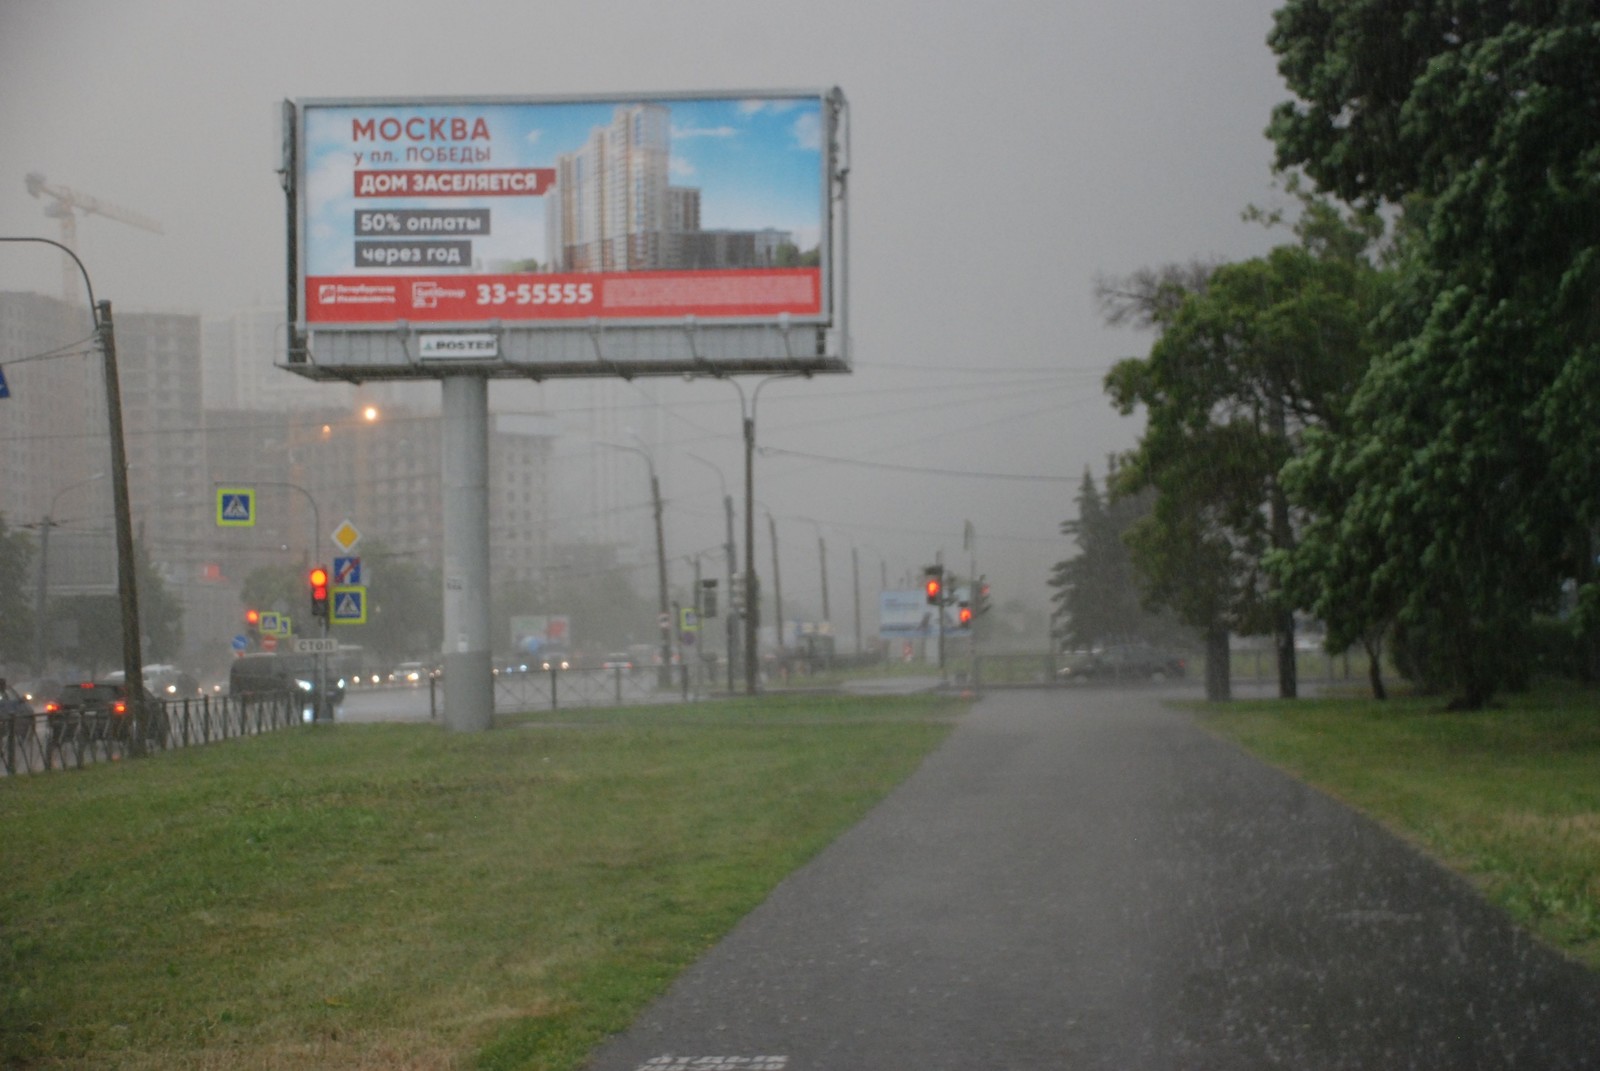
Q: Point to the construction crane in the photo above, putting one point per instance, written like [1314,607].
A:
[64,205]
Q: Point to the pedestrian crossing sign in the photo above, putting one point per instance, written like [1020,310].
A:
[349,604]
[236,507]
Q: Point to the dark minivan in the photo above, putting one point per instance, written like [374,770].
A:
[261,674]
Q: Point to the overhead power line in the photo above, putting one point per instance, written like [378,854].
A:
[858,463]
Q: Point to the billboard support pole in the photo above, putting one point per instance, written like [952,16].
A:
[468,677]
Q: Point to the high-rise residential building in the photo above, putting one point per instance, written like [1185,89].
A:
[610,203]
[613,208]
[313,462]
[520,497]
[53,435]
[242,352]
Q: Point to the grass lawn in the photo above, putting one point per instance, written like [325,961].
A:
[402,897]
[1508,796]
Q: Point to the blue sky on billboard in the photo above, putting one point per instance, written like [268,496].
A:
[756,162]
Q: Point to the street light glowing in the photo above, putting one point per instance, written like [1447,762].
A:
[370,413]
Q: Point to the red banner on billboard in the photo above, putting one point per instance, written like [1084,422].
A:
[349,299]
[498,182]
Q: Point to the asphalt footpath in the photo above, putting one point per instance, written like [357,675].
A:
[1087,879]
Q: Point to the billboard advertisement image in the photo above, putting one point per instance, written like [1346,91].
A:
[534,213]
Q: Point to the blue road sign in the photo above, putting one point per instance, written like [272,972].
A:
[349,606]
[5,391]
[236,507]
[347,570]
[239,643]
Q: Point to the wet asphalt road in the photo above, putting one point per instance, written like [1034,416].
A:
[1084,879]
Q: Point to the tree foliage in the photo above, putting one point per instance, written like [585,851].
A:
[1097,593]
[16,604]
[87,629]
[1470,460]
[1244,363]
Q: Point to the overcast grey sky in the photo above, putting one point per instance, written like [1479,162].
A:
[1004,154]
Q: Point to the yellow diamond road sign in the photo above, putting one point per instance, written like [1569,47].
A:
[346,536]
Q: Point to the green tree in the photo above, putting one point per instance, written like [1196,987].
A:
[405,607]
[1471,459]
[277,588]
[1244,364]
[93,623]
[160,611]
[16,604]
[1097,592]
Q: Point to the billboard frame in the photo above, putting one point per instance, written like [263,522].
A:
[616,345]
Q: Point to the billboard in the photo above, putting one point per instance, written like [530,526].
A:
[549,236]
[906,615]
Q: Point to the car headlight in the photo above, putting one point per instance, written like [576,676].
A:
[305,686]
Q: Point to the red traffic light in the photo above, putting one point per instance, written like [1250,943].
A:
[965,614]
[933,585]
[319,590]
[252,617]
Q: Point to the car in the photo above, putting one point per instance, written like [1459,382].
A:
[88,712]
[1124,661]
[410,673]
[271,673]
[39,692]
[617,660]
[13,704]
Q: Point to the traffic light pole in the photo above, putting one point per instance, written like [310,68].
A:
[320,581]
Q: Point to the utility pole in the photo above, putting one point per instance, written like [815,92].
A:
[855,572]
[733,570]
[822,555]
[752,604]
[777,585]
[665,677]
[132,661]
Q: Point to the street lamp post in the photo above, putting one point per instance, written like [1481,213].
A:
[747,410]
[664,678]
[319,709]
[733,567]
[127,584]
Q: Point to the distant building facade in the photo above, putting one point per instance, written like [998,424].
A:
[312,466]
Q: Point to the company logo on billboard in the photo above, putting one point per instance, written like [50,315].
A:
[457,347]
[427,295]
[357,294]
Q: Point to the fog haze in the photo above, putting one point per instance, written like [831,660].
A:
[1002,156]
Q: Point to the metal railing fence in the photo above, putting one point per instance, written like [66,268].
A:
[35,743]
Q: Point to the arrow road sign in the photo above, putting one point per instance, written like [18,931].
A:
[346,570]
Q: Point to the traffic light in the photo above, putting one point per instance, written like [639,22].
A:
[964,614]
[708,598]
[933,585]
[319,591]
[980,598]
[252,626]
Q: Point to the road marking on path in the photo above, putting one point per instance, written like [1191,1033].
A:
[715,1063]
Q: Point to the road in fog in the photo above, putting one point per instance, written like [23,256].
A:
[1084,879]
